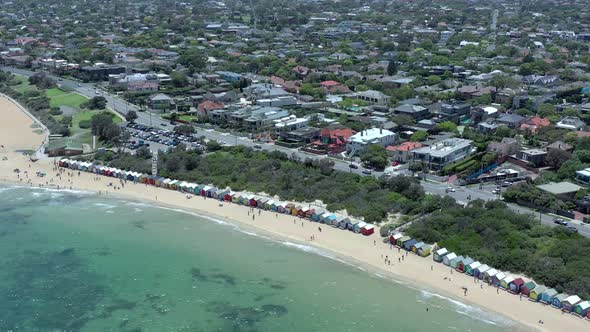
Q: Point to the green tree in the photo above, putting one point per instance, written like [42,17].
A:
[391,68]
[179,79]
[419,136]
[131,116]
[375,156]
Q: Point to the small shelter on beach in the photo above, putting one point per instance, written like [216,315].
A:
[439,254]
[344,223]
[558,300]
[393,238]
[548,296]
[229,196]
[352,224]
[368,229]
[408,244]
[479,271]
[569,303]
[470,268]
[417,246]
[582,309]
[464,263]
[402,240]
[537,293]
[359,226]
[309,213]
[425,250]
[498,278]
[303,212]
[488,275]
[447,259]
[316,215]
[515,285]
[527,288]
[336,221]
[455,261]
[505,283]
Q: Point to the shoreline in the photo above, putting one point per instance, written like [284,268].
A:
[374,271]
[352,248]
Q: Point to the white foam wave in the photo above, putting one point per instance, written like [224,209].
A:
[103,205]
[470,311]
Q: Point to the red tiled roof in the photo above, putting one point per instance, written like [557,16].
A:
[329,83]
[405,146]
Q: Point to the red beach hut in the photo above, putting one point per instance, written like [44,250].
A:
[228,196]
[309,213]
[515,285]
[368,229]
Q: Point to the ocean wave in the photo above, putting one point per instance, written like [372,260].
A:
[470,311]
[104,205]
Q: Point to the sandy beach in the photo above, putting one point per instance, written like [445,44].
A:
[17,134]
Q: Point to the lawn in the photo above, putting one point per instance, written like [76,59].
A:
[62,98]
[87,115]
[23,85]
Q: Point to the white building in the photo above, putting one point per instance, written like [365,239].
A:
[444,152]
[360,141]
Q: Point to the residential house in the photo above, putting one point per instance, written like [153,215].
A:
[474,91]
[571,123]
[229,76]
[333,140]
[511,120]
[444,152]
[508,146]
[534,157]
[301,71]
[333,87]
[359,142]
[534,124]
[403,151]
[559,145]
[373,97]
[161,101]
[207,106]
[540,80]
[453,111]
[488,127]
[416,112]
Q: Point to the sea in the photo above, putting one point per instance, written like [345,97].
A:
[75,261]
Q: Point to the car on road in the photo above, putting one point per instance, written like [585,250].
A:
[353,166]
[573,229]
[367,172]
[79,85]
[257,146]
[560,222]
[163,124]
[506,184]
[496,191]
[450,189]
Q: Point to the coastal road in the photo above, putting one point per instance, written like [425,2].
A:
[462,194]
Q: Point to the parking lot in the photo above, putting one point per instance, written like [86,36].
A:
[158,139]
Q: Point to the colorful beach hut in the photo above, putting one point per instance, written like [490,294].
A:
[439,254]
[309,213]
[417,246]
[478,272]
[337,220]
[344,223]
[569,303]
[315,216]
[394,237]
[505,283]
[324,217]
[408,244]
[455,261]
[229,196]
[368,229]
[352,224]
[488,275]
[359,226]
[448,258]
[498,278]
[515,285]
[537,293]
[402,241]
[548,296]
[558,300]
[464,263]
[252,201]
[303,212]
[582,309]
[425,250]
[527,288]
[470,268]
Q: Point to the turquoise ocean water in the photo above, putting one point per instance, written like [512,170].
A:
[72,261]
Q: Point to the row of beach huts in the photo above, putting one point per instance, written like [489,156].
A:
[513,284]
[300,210]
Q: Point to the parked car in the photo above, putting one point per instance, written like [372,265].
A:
[257,146]
[560,222]
[573,229]
[353,166]
[367,172]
